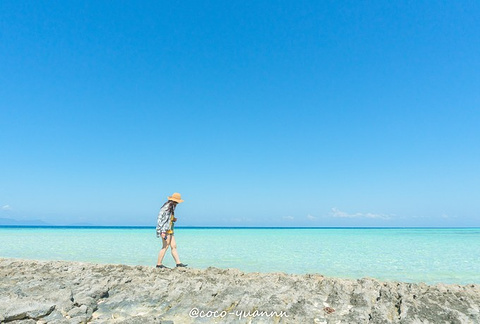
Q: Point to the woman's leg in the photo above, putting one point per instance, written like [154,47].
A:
[173,249]
[166,244]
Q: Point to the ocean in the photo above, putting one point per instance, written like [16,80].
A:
[430,255]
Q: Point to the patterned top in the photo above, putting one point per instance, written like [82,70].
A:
[165,220]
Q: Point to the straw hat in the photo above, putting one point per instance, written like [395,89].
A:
[176,197]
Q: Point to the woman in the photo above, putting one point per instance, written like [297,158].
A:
[165,223]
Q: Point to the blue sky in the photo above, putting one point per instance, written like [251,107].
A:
[260,113]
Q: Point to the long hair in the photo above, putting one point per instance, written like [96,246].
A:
[171,206]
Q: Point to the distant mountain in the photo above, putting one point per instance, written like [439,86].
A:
[80,224]
[34,222]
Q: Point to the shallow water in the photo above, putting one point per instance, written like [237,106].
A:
[431,255]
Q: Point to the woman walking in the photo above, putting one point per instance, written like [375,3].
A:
[165,223]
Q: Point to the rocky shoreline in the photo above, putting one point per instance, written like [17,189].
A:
[75,292]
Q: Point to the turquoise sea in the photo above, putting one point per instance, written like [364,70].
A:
[430,255]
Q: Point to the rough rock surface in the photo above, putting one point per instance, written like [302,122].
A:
[75,292]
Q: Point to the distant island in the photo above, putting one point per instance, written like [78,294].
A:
[34,222]
[38,222]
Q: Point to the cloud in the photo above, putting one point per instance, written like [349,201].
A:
[240,219]
[341,214]
[310,217]
[6,207]
[446,216]
[288,217]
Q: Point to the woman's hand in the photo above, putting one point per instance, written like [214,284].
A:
[174,219]
[164,236]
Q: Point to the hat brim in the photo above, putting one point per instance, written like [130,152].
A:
[175,200]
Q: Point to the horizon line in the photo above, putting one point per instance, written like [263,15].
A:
[241,227]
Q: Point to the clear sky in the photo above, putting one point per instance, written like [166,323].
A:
[260,113]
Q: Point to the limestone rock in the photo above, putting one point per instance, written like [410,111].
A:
[74,292]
